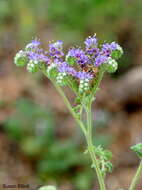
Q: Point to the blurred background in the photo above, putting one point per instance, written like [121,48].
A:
[39,141]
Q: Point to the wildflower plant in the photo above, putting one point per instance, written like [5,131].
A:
[82,70]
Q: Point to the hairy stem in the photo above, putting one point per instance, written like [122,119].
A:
[95,88]
[67,103]
[136,177]
[91,148]
[87,132]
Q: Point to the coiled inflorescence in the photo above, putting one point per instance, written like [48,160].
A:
[78,66]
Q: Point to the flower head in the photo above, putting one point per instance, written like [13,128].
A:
[55,49]
[91,42]
[33,44]
[40,57]
[100,59]
[79,55]
[109,48]
[65,68]
[84,75]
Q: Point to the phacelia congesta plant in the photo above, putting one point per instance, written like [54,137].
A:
[82,70]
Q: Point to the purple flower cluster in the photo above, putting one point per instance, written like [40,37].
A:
[91,46]
[35,53]
[84,75]
[77,60]
[40,57]
[79,55]
[34,44]
[107,48]
[65,68]
[100,59]
[55,49]
[91,42]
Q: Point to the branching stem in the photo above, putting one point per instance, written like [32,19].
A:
[67,103]
[136,177]
[86,130]
[91,148]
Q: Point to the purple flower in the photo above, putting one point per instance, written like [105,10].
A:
[100,59]
[38,57]
[62,67]
[91,42]
[33,55]
[83,75]
[114,46]
[55,49]
[65,68]
[71,71]
[94,52]
[108,48]
[44,58]
[34,44]
[79,55]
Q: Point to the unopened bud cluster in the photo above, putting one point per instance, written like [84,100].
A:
[84,85]
[32,66]
[60,78]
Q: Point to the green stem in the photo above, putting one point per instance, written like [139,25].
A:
[91,148]
[95,88]
[136,177]
[67,103]
[88,132]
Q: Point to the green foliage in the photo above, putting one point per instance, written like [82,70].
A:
[137,149]
[33,127]
[104,159]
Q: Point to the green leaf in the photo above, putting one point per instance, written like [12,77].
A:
[137,149]
[109,166]
[107,155]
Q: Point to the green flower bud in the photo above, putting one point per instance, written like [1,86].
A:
[52,71]
[21,59]
[137,149]
[84,85]
[70,60]
[48,187]
[116,54]
[33,66]
[61,78]
[111,66]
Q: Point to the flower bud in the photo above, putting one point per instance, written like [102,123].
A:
[48,187]
[84,85]
[116,54]
[70,60]
[52,70]
[33,66]
[111,66]
[60,78]
[21,59]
